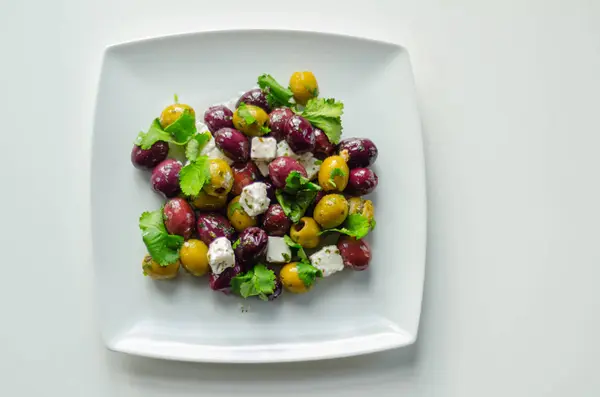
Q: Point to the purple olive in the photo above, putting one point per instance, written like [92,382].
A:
[222,282]
[299,134]
[179,217]
[362,152]
[217,117]
[165,178]
[212,225]
[252,246]
[280,168]
[275,222]
[356,254]
[149,158]
[254,97]
[323,147]
[277,290]
[361,181]
[277,120]
[270,189]
[233,143]
[243,175]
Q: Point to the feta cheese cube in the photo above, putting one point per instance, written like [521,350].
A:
[328,260]
[220,255]
[263,167]
[278,251]
[311,164]
[210,145]
[284,150]
[254,199]
[263,149]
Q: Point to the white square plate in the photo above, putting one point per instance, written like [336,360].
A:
[348,314]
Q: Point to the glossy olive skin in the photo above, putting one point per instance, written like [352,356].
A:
[362,181]
[233,143]
[165,178]
[299,134]
[362,152]
[217,117]
[323,147]
[270,190]
[290,279]
[239,219]
[356,254]
[277,120]
[222,282]
[304,86]
[221,178]
[206,202]
[172,112]
[360,206]
[306,233]
[252,247]
[210,226]
[280,168]
[277,290]
[325,173]
[193,256]
[310,210]
[254,97]
[179,217]
[275,222]
[331,211]
[243,175]
[149,158]
[155,271]
[254,129]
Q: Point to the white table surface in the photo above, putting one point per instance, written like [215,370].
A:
[509,96]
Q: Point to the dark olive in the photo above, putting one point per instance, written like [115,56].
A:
[275,222]
[277,120]
[252,246]
[243,175]
[149,158]
[222,282]
[361,181]
[233,143]
[299,134]
[270,189]
[362,152]
[179,217]
[277,290]
[356,254]
[280,168]
[165,178]
[212,225]
[217,117]
[254,97]
[323,147]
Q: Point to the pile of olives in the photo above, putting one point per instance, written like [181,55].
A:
[215,212]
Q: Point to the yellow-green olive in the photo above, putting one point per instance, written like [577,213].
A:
[173,112]
[204,201]
[221,178]
[333,175]
[360,206]
[306,233]
[251,120]
[331,211]
[239,219]
[291,280]
[194,257]
[304,86]
[155,271]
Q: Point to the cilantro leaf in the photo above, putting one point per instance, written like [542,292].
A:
[326,115]
[194,175]
[235,244]
[179,132]
[244,113]
[308,273]
[277,95]
[264,129]
[196,144]
[356,225]
[294,206]
[162,246]
[235,207]
[335,172]
[318,162]
[295,182]
[301,253]
[155,133]
[259,281]
[175,98]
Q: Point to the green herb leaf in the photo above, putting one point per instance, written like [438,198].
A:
[178,133]
[326,115]
[294,206]
[277,95]
[318,162]
[235,207]
[235,244]
[356,225]
[335,172]
[264,129]
[259,281]
[194,175]
[196,144]
[308,273]
[296,182]
[301,253]
[244,113]
[155,133]
[162,246]
[175,98]
[373,223]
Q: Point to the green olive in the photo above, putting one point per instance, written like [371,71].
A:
[359,205]
[304,86]
[221,178]
[155,271]
[204,201]
[331,211]
[333,175]
[306,233]
[173,112]
[252,122]
[239,219]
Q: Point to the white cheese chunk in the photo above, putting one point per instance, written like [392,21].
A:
[328,260]
[254,199]
[220,255]
[284,150]
[278,251]
[263,149]
[263,167]
[311,164]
